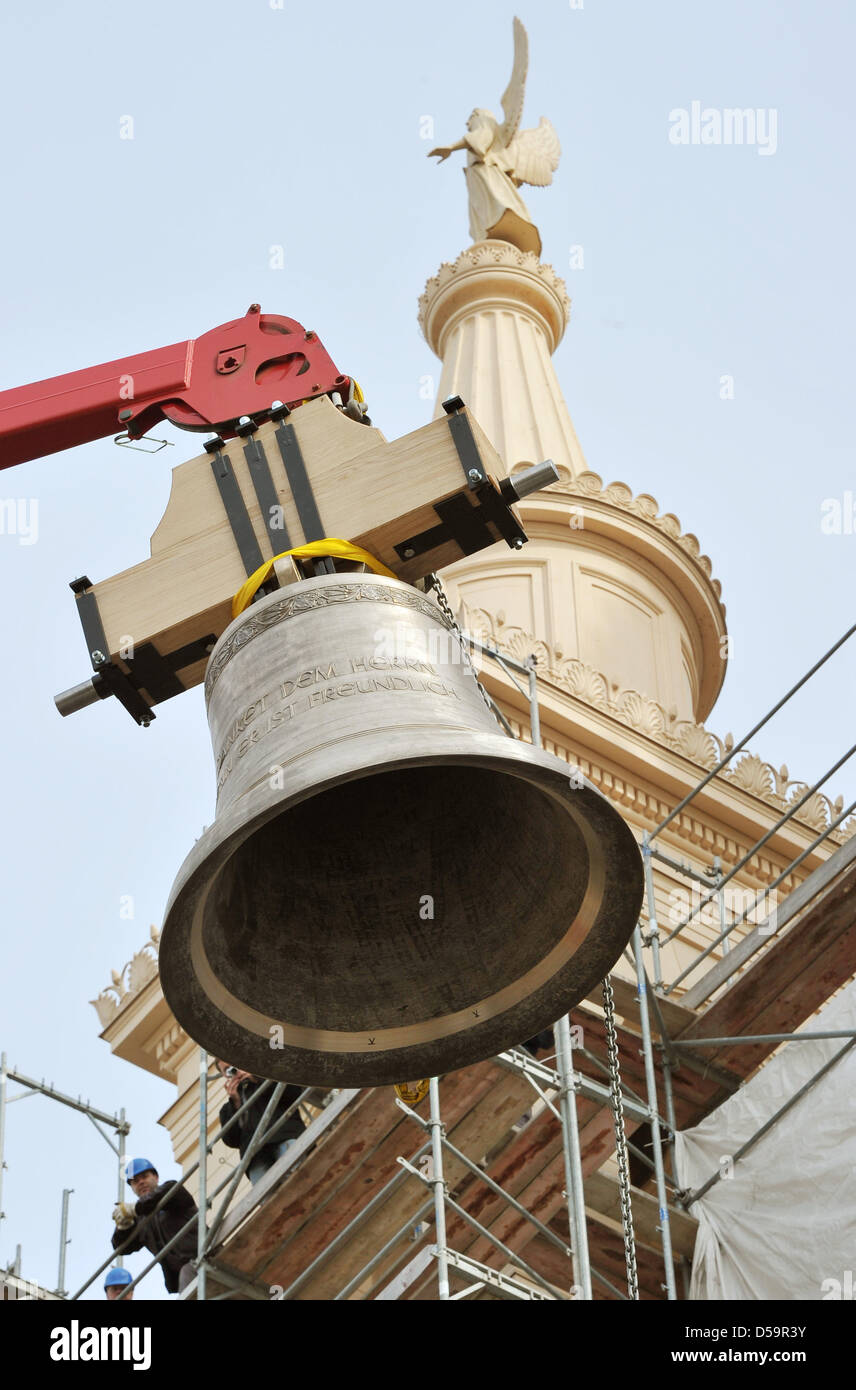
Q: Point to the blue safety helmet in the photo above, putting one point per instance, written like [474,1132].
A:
[117,1276]
[138,1166]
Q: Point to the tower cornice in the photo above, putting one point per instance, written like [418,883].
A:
[493,275]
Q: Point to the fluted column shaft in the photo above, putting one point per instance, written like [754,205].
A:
[494,318]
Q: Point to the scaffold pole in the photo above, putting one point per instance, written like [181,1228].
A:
[574,1192]
[439,1188]
[656,1142]
[201,1228]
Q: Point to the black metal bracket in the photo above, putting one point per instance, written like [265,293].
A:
[191,652]
[269,502]
[110,675]
[423,543]
[461,521]
[236,511]
[127,694]
[156,673]
[495,509]
[152,673]
[149,669]
[464,440]
[90,621]
[298,481]
[301,491]
[467,525]
[464,523]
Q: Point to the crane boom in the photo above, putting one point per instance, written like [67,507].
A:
[236,371]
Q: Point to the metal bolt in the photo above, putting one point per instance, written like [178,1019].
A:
[98,658]
[517,543]
[474,475]
[409,554]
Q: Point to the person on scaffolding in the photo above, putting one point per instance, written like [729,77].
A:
[241,1086]
[144,1226]
[118,1279]
[539,1042]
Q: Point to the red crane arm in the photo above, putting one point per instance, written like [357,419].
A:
[209,383]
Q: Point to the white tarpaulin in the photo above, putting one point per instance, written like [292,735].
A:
[781,1223]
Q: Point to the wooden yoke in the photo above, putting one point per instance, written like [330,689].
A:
[417,504]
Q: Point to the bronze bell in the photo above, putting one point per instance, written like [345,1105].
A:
[392,886]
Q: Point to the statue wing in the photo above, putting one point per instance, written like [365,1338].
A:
[515,92]
[533,155]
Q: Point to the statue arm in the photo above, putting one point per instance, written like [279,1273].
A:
[445,150]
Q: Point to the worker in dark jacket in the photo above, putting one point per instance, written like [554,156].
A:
[240,1087]
[539,1042]
[146,1227]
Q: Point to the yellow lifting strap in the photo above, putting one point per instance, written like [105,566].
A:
[412,1094]
[330,546]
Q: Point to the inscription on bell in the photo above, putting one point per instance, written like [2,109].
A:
[355,665]
[317,686]
[378,683]
[307,678]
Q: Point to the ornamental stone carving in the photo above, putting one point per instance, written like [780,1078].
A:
[138,971]
[492,273]
[752,775]
[639,712]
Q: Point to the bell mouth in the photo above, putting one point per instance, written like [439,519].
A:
[395,900]
[405,921]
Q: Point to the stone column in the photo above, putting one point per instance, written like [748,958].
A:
[495,318]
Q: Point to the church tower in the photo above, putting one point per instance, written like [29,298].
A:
[614,600]
[622,602]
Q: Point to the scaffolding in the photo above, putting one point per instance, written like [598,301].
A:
[560,1084]
[98,1118]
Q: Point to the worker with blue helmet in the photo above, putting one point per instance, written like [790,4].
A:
[147,1223]
[136,1166]
[117,1280]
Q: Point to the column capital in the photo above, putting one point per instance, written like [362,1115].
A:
[493,274]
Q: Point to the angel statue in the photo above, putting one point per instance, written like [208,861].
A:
[502,157]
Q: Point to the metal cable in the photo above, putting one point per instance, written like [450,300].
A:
[751,734]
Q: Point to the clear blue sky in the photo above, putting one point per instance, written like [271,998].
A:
[257,127]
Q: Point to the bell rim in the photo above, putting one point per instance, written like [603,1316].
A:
[205,1021]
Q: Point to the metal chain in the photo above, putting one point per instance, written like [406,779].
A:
[434,581]
[620,1140]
